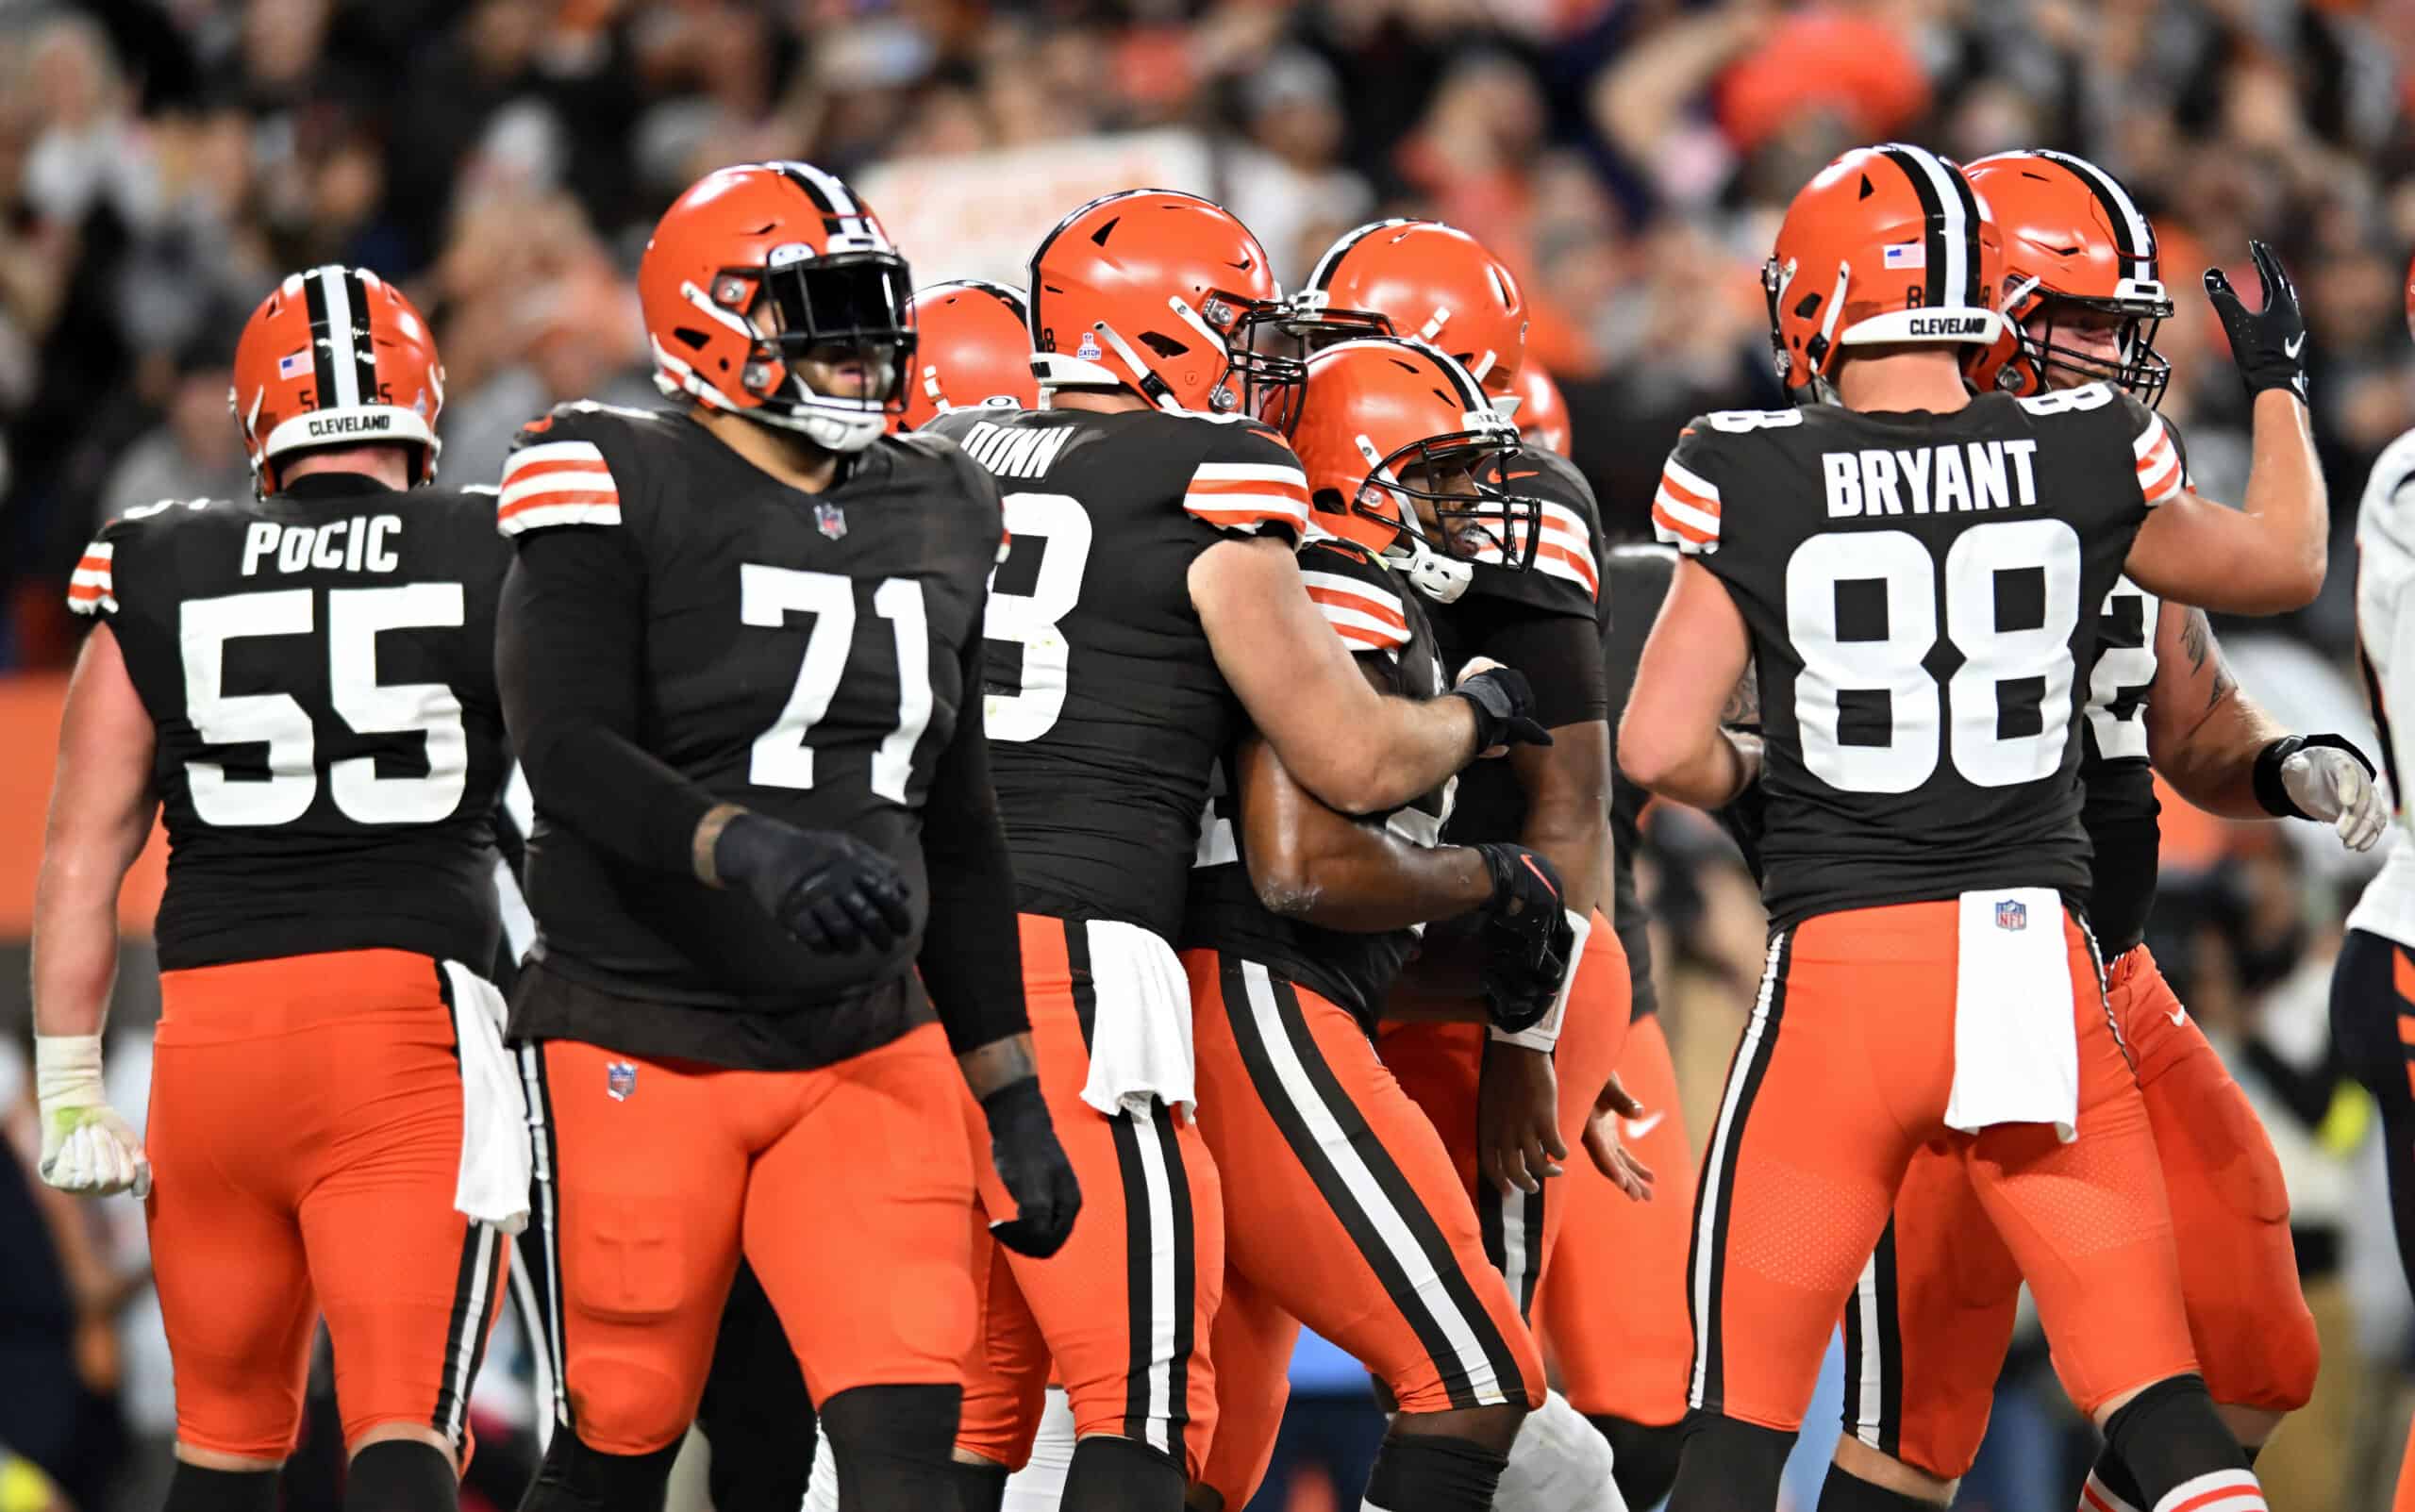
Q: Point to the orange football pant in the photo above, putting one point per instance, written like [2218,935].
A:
[1324,1156]
[1441,1067]
[305,1138]
[1612,1309]
[1125,1307]
[1932,1316]
[848,1187]
[1841,1075]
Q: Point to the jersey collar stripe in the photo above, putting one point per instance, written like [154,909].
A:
[341,368]
[2132,231]
[1948,229]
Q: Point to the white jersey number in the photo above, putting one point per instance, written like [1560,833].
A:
[783,754]
[2032,661]
[354,617]
[1055,526]
[2123,670]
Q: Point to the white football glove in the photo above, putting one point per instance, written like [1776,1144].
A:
[2331,785]
[86,1148]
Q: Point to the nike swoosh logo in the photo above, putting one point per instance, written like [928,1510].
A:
[2179,1014]
[1638,1128]
[2291,349]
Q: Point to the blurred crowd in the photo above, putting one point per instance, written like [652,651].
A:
[163,161]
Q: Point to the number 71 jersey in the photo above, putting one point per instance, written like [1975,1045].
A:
[1923,593]
[318,668]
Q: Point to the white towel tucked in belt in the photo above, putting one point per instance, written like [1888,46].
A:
[1140,1037]
[2016,1049]
[493,1184]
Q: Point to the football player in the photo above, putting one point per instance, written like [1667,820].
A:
[1299,920]
[1922,845]
[974,337]
[737,647]
[2373,986]
[1149,599]
[1510,1105]
[305,680]
[1934,1312]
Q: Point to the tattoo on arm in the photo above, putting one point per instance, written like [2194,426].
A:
[1745,700]
[2197,638]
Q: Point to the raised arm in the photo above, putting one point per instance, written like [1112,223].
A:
[1357,750]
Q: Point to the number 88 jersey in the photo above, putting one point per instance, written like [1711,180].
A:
[1923,594]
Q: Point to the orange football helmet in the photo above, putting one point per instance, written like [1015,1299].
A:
[1404,450]
[1430,281]
[974,337]
[754,267]
[1888,245]
[336,356]
[2074,240]
[1542,413]
[1160,293]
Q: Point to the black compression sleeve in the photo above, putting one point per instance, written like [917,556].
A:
[570,642]
[1560,654]
[971,959]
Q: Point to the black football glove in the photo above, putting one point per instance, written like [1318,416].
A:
[830,890]
[1504,708]
[1527,937]
[1023,1147]
[2269,344]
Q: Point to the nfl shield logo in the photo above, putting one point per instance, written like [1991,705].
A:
[2013,914]
[620,1080]
[830,520]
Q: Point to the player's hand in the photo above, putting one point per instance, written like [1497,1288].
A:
[2269,345]
[86,1148]
[2336,788]
[1610,1158]
[1518,1145]
[829,888]
[1504,705]
[1032,1166]
[1527,939]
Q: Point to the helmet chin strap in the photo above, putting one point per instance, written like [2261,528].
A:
[1439,577]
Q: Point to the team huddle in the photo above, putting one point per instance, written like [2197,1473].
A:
[1074,834]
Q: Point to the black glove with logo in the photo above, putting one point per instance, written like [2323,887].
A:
[1527,937]
[1505,709]
[830,890]
[1023,1147]
[2269,344]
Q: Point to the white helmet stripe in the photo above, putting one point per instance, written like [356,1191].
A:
[343,362]
[1954,231]
[831,188]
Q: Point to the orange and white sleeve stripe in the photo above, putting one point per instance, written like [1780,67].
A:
[556,483]
[92,589]
[1367,617]
[2161,478]
[1566,549]
[1685,512]
[1248,496]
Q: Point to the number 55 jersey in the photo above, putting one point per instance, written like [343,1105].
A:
[1921,593]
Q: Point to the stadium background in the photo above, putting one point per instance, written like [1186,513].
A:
[163,161]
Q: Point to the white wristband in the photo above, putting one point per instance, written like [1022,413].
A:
[67,1069]
[1544,1033]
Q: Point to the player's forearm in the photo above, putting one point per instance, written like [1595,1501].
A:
[1706,770]
[1309,862]
[971,959]
[2286,491]
[998,1063]
[2213,764]
[75,944]
[1568,808]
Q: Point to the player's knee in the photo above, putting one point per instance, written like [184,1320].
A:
[1844,1491]
[627,1406]
[1494,1427]
[2253,1427]
[1724,1465]
[1439,1472]
[1112,1473]
[1855,1461]
[1644,1456]
[577,1478]
[402,1474]
[893,1445]
[2169,1436]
